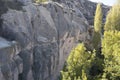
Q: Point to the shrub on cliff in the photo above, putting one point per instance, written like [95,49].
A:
[40,1]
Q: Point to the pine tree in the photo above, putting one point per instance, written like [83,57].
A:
[98,19]
[96,41]
[77,59]
[111,52]
[111,44]
[113,18]
[97,28]
[78,64]
[84,65]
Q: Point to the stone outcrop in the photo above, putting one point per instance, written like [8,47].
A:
[35,39]
[86,7]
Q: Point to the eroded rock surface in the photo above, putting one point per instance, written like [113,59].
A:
[37,38]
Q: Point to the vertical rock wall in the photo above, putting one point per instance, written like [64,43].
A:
[37,38]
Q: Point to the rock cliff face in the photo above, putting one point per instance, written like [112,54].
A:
[86,7]
[36,39]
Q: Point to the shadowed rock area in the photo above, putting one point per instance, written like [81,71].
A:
[36,39]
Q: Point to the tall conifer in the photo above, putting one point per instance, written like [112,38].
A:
[98,19]
[97,27]
[113,18]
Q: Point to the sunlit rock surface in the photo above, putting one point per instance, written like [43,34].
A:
[36,39]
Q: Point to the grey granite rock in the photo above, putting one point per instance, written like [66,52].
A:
[39,37]
[86,7]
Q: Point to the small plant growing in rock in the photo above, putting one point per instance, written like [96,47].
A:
[40,1]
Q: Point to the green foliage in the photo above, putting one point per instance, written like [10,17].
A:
[111,52]
[84,76]
[96,70]
[97,27]
[113,18]
[85,65]
[96,40]
[40,1]
[111,44]
[77,59]
[78,64]
[98,19]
